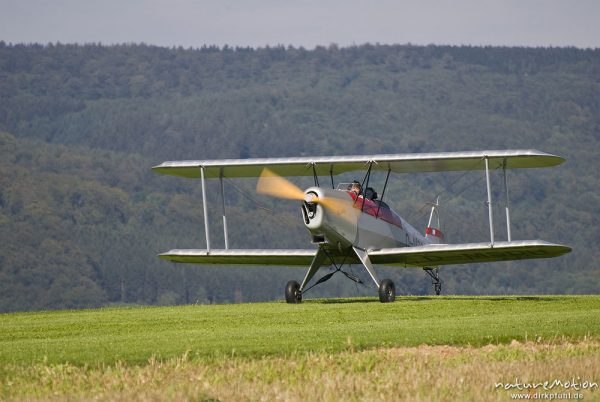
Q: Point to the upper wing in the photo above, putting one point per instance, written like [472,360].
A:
[448,254]
[421,256]
[326,165]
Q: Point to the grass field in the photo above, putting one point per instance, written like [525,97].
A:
[419,348]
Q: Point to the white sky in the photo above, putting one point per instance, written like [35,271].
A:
[303,22]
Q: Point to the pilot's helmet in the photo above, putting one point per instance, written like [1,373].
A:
[353,185]
[370,194]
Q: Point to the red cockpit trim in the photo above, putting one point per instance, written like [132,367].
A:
[371,207]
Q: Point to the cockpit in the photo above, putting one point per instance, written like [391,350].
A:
[368,203]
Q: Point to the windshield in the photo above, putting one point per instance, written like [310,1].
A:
[344,186]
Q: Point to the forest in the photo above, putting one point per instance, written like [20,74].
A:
[82,217]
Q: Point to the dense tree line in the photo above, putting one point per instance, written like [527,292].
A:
[82,217]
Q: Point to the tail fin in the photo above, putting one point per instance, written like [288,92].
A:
[432,231]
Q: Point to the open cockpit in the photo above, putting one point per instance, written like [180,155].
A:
[368,203]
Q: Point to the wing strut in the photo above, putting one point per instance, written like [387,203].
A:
[315,176]
[489,200]
[383,193]
[507,202]
[363,188]
[204,209]
[224,216]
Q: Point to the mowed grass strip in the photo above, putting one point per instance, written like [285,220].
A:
[134,335]
[423,373]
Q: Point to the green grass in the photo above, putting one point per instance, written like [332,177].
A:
[254,330]
[419,348]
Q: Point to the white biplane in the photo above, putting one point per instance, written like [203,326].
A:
[351,226]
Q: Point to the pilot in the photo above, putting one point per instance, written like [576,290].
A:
[355,187]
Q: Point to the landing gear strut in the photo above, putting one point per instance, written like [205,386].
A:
[292,292]
[435,279]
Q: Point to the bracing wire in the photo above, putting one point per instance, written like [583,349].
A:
[247,195]
[421,213]
[284,221]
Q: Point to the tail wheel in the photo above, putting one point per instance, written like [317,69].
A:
[387,291]
[435,279]
[292,292]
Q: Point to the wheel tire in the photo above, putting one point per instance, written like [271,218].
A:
[292,292]
[387,291]
[438,288]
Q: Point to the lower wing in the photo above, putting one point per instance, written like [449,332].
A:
[466,253]
[420,256]
[244,257]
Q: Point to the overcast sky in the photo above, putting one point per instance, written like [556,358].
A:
[303,22]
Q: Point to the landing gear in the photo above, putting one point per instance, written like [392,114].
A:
[292,292]
[435,279]
[387,291]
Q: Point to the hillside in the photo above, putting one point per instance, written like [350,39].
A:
[82,217]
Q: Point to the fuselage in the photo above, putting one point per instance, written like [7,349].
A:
[344,219]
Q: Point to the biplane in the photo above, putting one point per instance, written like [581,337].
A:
[350,224]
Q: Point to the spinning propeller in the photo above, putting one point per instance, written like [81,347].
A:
[271,184]
[276,186]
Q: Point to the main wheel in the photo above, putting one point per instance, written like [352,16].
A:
[438,288]
[292,292]
[387,291]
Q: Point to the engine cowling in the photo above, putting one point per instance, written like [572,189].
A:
[330,216]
